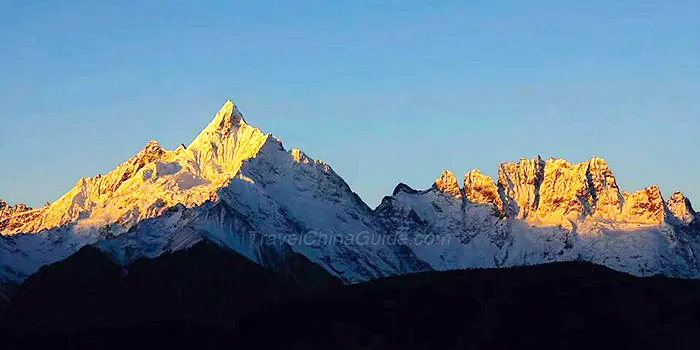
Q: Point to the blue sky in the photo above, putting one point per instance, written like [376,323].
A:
[385,93]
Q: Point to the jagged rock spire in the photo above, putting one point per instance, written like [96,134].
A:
[606,198]
[227,120]
[481,189]
[299,156]
[225,143]
[679,205]
[447,183]
[645,206]
[521,186]
[152,152]
[7,212]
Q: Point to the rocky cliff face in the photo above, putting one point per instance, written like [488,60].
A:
[680,207]
[644,207]
[520,183]
[545,211]
[447,183]
[13,217]
[481,189]
[556,192]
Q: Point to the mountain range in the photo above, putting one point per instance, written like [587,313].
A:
[238,188]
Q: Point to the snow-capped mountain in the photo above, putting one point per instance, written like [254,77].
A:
[153,180]
[543,211]
[233,185]
[239,188]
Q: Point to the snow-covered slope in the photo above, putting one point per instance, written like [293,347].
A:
[282,202]
[233,185]
[240,188]
[544,211]
[153,180]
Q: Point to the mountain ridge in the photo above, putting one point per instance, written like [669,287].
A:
[238,186]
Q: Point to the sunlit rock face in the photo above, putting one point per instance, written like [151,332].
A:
[605,193]
[681,208]
[545,211]
[574,192]
[222,147]
[480,189]
[153,180]
[447,183]
[11,216]
[556,192]
[7,210]
[564,192]
[644,207]
[520,183]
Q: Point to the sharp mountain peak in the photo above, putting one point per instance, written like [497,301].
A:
[544,210]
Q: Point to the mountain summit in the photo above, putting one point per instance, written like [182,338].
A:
[226,121]
[239,188]
[221,148]
[233,185]
[153,180]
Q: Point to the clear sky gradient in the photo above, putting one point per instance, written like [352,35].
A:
[384,91]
